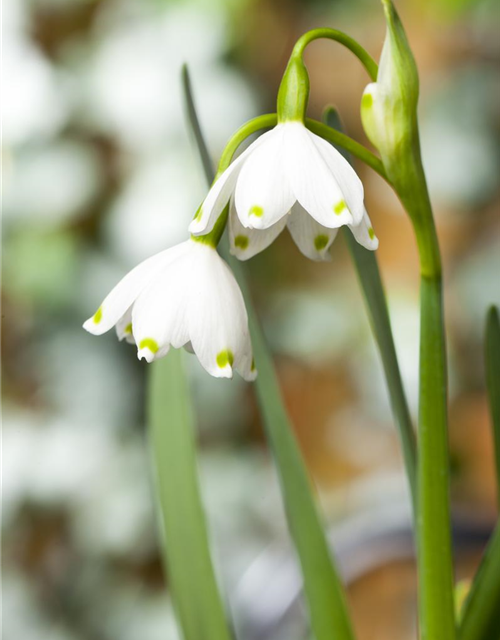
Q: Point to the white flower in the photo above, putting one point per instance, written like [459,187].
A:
[286,165]
[186,296]
[312,238]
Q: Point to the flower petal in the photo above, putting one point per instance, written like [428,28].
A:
[218,323]
[263,194]
[315,186]
[364,233]
[124,327]
[126,291]
[345,176]
[159,315]
[221,191]
[312,238]
[246,243]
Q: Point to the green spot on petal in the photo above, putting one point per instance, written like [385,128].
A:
[128,329]
[98,316]
[149,343]
[225,358]
[256,211]
[198,215]
[367,100]
[241,241]
[339,207]
[252,368]
[320,241]
[371,233]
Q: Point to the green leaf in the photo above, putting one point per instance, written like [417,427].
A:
[322,586]
[481,611]
[492,357]
[182,521]
[373,291]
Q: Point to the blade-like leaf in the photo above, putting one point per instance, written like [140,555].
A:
[322,585]
[376,304]
[492,357]
[185,541]
[481,611]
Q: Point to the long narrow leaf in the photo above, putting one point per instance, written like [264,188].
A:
[492,357]
[369,277]
[322,586]
[481,612]
[185,542]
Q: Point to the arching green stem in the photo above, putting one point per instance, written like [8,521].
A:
[332,34]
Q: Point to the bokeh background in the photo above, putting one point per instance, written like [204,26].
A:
[99,171]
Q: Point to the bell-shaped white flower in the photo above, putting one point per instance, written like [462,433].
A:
[186,296]
[313,239]
[286,165]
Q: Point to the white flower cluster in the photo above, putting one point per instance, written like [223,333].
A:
[188,297]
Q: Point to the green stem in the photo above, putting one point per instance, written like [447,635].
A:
[481,611]
[185,539]
[338,36]
[435,561]
[492,357]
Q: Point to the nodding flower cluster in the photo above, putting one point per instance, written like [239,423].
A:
[187,296]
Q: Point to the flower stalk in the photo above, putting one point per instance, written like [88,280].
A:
[389,114]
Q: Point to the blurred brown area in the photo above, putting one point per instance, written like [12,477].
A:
[99,172]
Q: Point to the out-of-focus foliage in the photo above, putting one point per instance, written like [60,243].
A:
[98,173]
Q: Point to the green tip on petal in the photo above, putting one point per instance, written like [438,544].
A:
[371,233]
[252,367]
[339,207]
[367,100]
[98,316]
[241,241]
[198,214]
[225,358]
[149,343]
[320,241]
[256,211]
[128,329]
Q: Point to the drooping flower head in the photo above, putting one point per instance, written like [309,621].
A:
[288,177]
[185,296]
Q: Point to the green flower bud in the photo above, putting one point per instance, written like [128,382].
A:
[389,105]
[293,93]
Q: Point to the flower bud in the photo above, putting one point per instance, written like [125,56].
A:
[389,105]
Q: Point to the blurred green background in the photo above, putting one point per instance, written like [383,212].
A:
[99,172]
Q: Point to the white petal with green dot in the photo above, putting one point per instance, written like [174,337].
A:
[217,319]
[263,192]
[314,184]
[246,243]
[124,327]
[126,291]
[312,238]
[220,192]
[346,178]
[364,233]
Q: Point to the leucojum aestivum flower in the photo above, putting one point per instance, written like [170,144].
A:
[187,296]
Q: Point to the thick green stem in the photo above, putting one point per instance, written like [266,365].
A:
[435,560]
